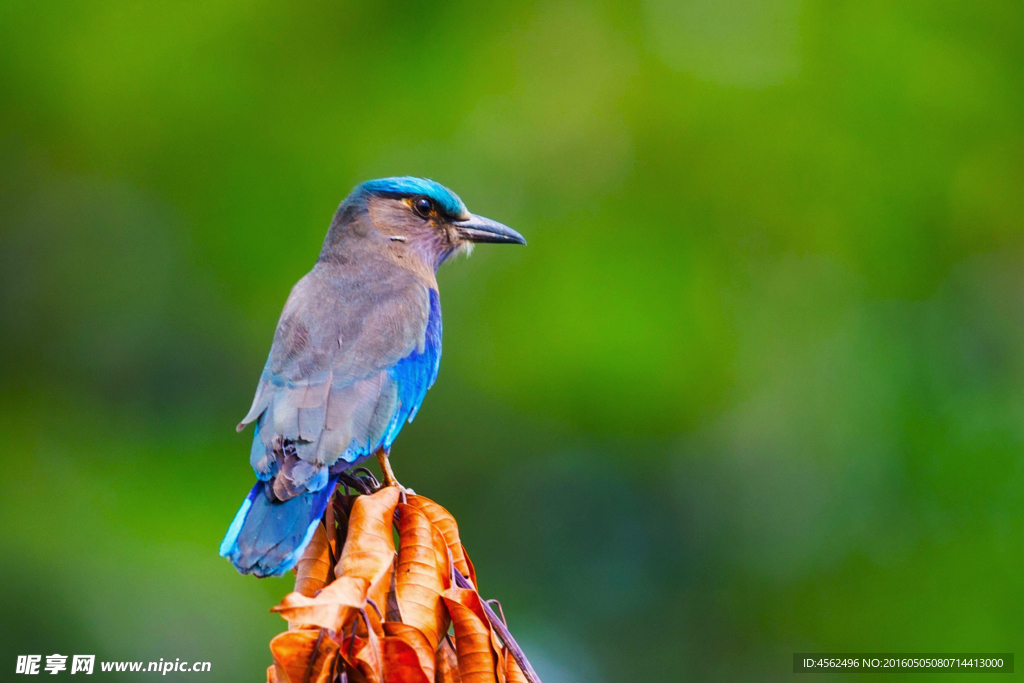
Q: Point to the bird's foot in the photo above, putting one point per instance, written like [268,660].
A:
[389,475]
[403,491]
[360,479]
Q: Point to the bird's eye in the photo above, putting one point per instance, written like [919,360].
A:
[423,206]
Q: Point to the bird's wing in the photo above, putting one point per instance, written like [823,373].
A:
[349,365]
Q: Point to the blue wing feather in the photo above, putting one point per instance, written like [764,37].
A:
[416,373]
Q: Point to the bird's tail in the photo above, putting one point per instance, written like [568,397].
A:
[267,536]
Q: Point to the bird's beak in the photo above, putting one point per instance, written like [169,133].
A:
[480,229]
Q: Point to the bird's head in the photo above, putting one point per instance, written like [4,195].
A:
[420,215]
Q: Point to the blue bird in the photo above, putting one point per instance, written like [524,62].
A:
[355,351]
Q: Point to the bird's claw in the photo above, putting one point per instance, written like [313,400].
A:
[403,491]
[361,479]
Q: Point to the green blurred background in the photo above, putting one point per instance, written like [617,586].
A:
[754,387]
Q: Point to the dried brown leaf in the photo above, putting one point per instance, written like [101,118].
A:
[419,579]
[469,565]
[408,655]
[392,612]
[446,664]
[292,652]
[332,608]
[477,659]
[499,649]
[369,551]
[446,524]
[313,570]
[363,654]
[513,674]
[499,659]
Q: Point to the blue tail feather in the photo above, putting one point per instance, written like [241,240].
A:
[267,538]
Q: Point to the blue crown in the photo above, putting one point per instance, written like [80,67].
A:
[406,186]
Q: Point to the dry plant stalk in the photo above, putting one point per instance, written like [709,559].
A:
[380,614]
